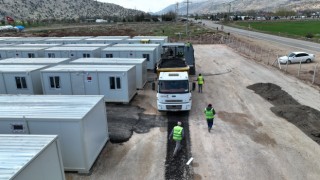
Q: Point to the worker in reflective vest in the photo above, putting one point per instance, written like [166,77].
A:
[209,112]
[200,83]
[177,135]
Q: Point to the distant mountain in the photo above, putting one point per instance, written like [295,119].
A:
[215,6]
[61,9]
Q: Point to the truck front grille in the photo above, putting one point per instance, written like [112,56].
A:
[174,101]
[174,107]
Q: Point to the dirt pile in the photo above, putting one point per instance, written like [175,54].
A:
[304,117]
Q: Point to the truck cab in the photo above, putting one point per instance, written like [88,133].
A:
[174,92]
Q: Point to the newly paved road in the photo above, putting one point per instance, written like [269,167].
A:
[295,44]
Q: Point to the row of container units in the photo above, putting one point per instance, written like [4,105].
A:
[149,53]
[30,157]
[116,82]
[140,64]
[86,40]
[25,76]
[127,51]
[79,121]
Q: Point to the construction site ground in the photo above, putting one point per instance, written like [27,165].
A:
[257,132]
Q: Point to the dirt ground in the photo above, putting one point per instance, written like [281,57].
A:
[248,140]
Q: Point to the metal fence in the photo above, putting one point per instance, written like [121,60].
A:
[305,71]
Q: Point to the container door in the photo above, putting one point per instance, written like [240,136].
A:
[77,83]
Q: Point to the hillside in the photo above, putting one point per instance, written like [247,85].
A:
[61,9]
[216,6]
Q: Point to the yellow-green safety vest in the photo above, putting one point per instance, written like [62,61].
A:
[200,80]
[209,113]
[177,133]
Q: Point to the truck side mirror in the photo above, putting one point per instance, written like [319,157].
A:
[193,86]
[153,86]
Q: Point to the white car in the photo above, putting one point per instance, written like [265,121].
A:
[296,57]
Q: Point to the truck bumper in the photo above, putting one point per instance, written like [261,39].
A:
[174,107]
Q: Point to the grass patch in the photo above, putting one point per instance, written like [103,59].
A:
[302,29]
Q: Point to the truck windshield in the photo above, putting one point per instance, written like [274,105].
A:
[173,87]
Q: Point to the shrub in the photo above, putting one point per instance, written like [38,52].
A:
[309,35]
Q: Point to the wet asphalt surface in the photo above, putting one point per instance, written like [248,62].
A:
[123,120]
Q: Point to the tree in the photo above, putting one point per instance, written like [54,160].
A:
[170,16]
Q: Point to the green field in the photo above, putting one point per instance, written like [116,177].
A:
[298,29]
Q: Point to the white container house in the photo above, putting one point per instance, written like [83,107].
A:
[79,121]
[30,157]
[149,53]
[64,41]
[28,40]
[103,40]
[34,61]
[112,37]
[157,46]
[141,66]
[73,52]
[37,45]
[101,46]
[116,83]
[152,39]
[21,52]
[20,79]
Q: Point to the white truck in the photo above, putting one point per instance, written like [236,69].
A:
[174,92]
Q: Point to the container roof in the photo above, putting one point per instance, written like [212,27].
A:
[64,39]
[17,151]
[87,45]
[112,48]
[109,60]
[16,48]
[72,48]
[89,68]
[33,60]
[104,39]
[37,45]
[19,68]
[47,106]
[136,45]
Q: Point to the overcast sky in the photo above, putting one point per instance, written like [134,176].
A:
[143,5]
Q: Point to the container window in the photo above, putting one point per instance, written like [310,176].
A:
[147,56]
[31,55]
[51,55]
[54,82]
[118,83]
[112,83]
[109,55]
[21,82]
[86,55]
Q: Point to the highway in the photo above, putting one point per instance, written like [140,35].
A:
[294,43]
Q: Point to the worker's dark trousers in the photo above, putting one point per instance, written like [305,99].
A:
[200,88]
[177,148]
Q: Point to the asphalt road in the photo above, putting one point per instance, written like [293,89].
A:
[294,43]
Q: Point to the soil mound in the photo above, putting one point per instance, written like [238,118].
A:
[273,93]
[304,117]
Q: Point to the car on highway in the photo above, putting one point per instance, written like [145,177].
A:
[296,57]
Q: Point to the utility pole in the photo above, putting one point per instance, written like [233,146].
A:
[177,11]
[187,16]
